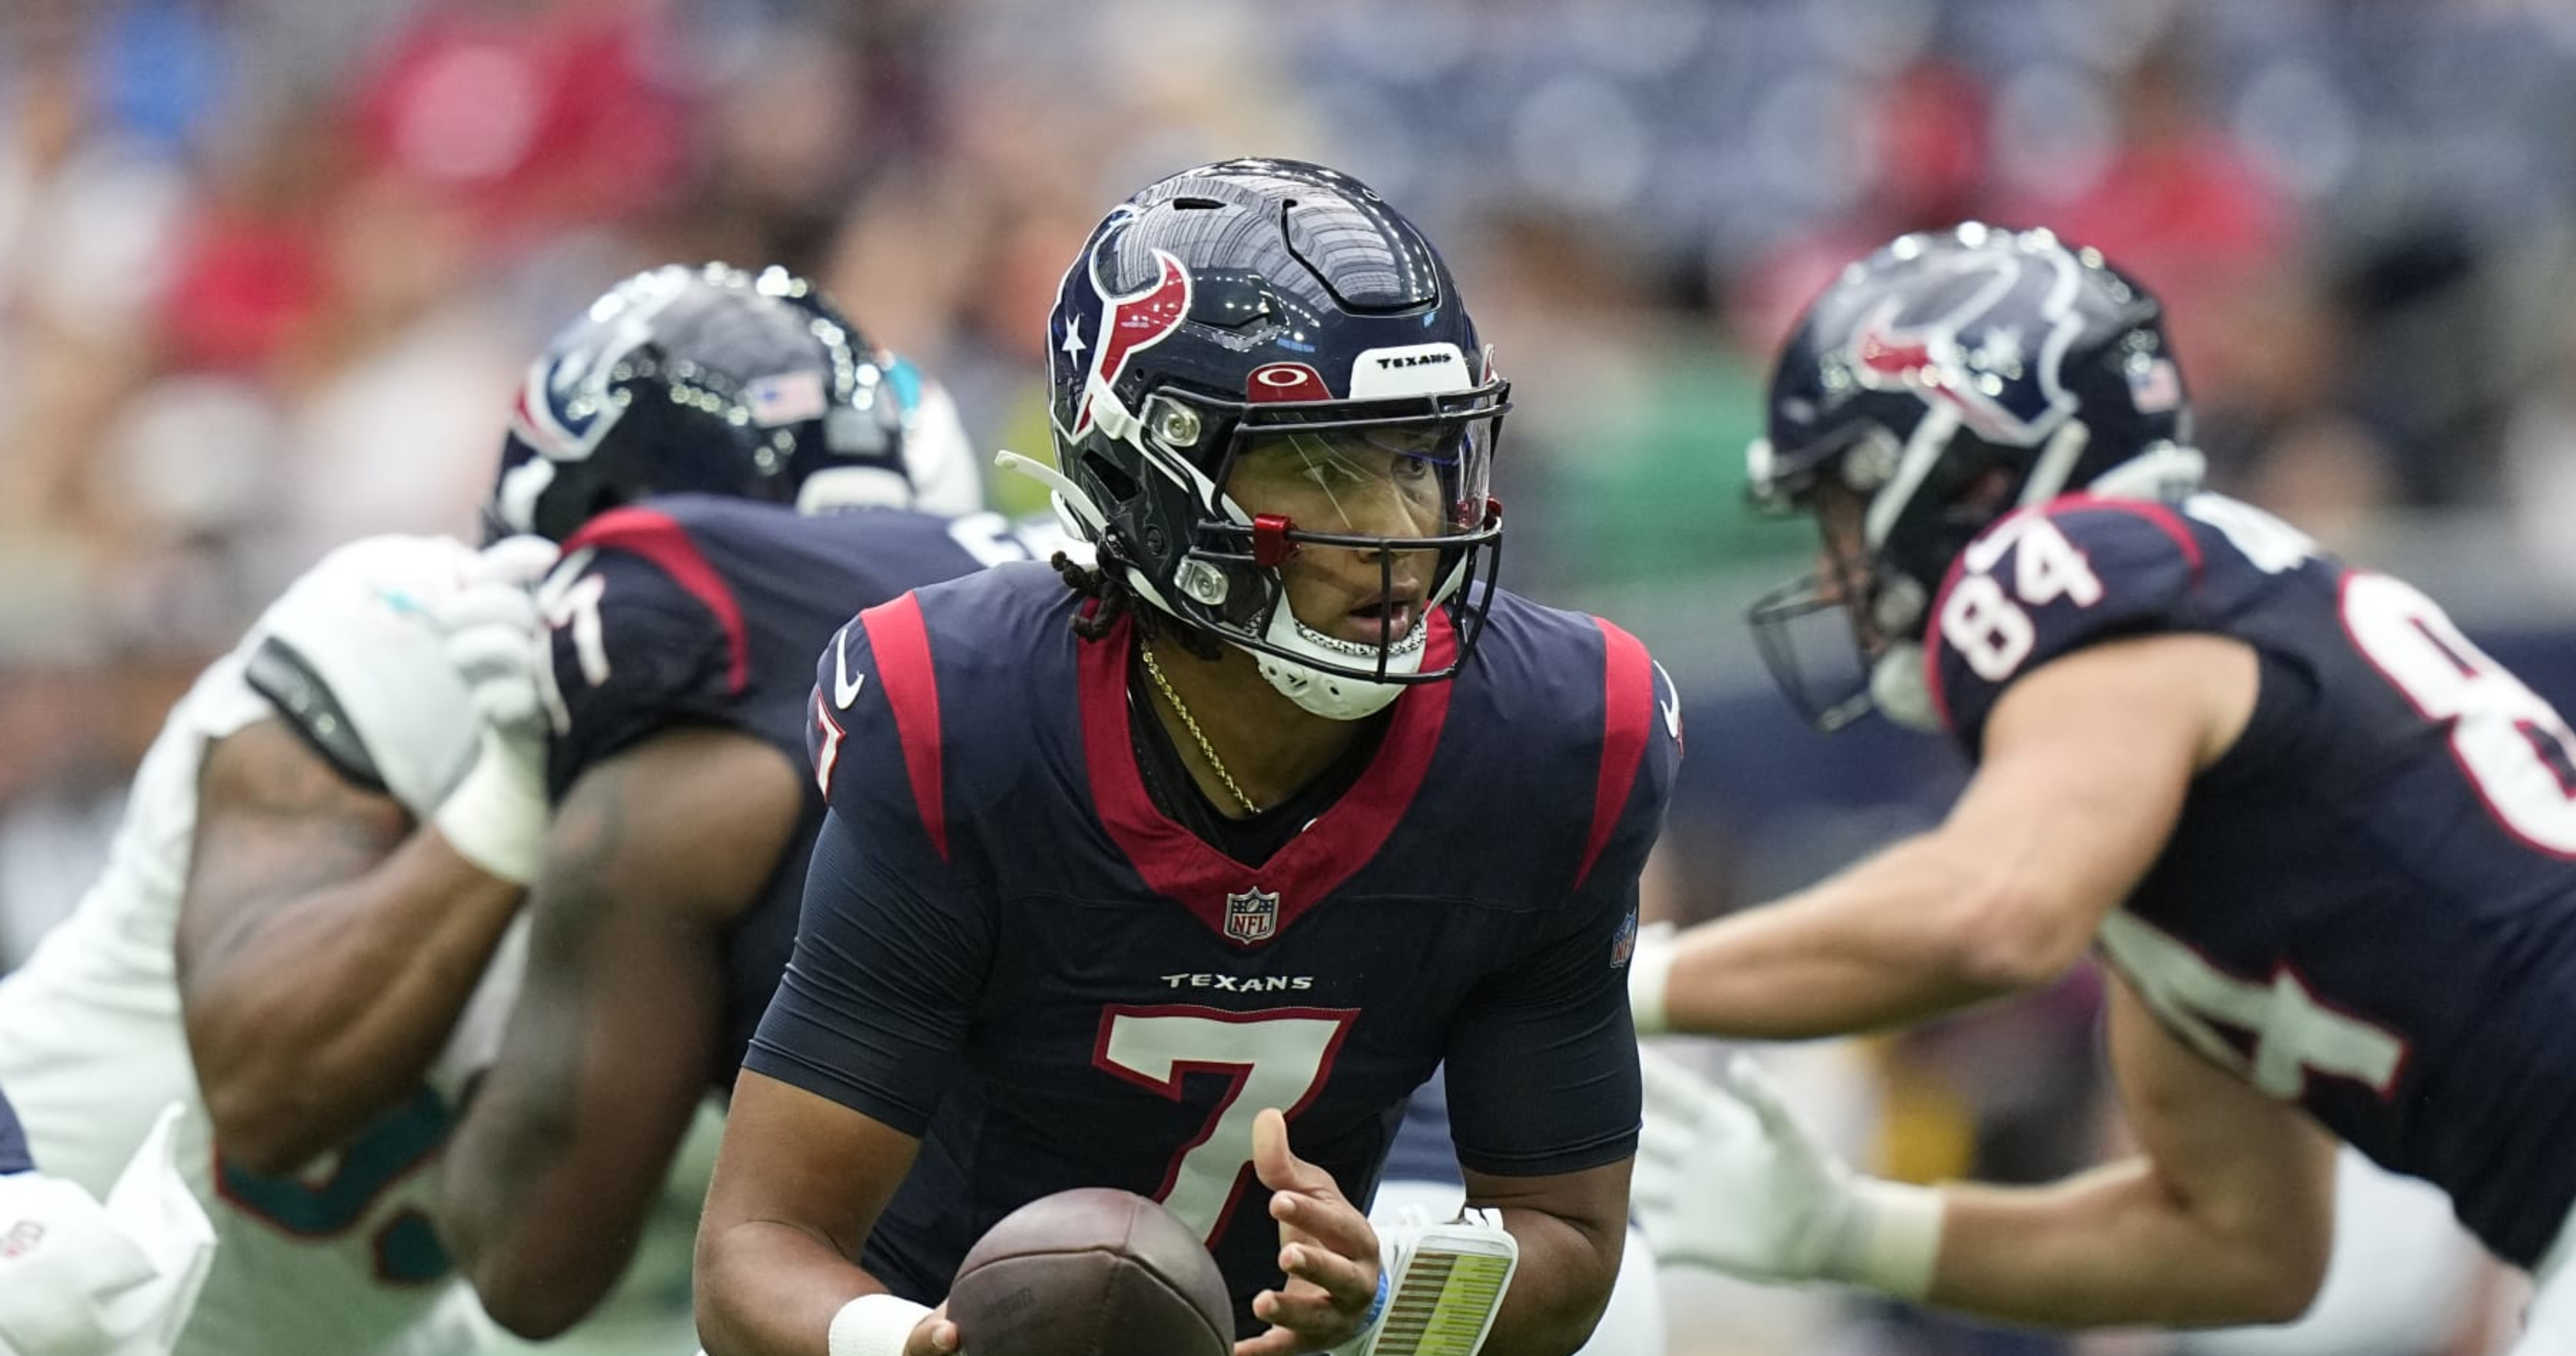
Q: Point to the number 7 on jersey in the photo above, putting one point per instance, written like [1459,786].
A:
[1277,1057]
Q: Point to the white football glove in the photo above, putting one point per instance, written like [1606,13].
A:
[496,639]
[1728,1177]
[79,1277]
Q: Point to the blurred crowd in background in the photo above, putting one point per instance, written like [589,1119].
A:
[269,270]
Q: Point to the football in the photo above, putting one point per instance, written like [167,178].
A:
[1091,1272]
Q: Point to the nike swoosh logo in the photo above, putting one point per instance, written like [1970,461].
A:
[1671,708]
[845,689]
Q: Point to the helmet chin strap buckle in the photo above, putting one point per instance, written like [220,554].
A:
[1271,547]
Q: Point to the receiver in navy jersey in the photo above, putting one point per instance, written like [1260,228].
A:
[2326,846]
[684,630]
[1180,881]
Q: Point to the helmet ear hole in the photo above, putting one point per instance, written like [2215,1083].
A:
[1120,486]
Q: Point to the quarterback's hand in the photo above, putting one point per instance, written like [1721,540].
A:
[495,637]
[1326,1247]
[1728,1176]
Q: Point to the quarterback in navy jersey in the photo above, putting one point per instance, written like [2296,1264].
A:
[1182,879]
[2326,846]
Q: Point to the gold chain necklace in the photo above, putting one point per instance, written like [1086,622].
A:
[1155,672]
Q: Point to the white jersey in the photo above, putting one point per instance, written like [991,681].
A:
[340,1260]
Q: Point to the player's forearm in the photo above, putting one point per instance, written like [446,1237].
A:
[2115,1247]
[1561,1287]
[767,1288]
[530,1224]
[327,1011]
[551,1175]
[1908,934]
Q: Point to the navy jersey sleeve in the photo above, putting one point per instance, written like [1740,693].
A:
[2040,585]
[1542,1060]
[640,641]
[13,1141]
[893,944]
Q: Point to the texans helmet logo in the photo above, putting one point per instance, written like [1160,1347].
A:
[560,414]
[1943,339]
[564,406]
[1129,324]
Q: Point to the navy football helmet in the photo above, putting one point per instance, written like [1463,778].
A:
[716,381]
[1245,306]
[1936,386]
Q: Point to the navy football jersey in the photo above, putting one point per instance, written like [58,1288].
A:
[2369,903]
[1010,951]
[701,610]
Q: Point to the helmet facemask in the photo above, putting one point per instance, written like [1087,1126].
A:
[1892,518]
[1827,637]
[1372,513]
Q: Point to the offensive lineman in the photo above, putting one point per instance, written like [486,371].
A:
[330,841]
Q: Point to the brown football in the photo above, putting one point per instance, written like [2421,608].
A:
[1091,1272]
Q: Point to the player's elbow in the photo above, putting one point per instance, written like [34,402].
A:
[2278,1275]
[2256,1258]
[2009,938]
[264,1125]
[2277,1289]
[537,1303]
[1573,1305]
[533,1286]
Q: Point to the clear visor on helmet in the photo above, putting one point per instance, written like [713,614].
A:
[1340,526]
[1415,481]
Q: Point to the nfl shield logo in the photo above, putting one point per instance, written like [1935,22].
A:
[1252,915]
[1623,944]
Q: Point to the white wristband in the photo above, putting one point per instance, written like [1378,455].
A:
[1895,1238]
[875,1325]
[1650,969]
[496,817]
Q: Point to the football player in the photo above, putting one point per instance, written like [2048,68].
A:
[1181,878]
[332,834]
[677,682]
[2322,841]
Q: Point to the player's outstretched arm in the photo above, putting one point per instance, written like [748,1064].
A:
[325,947]
[798,1184]
[2085,765]
[2226,1217]
[653,854]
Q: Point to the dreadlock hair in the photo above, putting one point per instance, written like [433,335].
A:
[1113,597]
